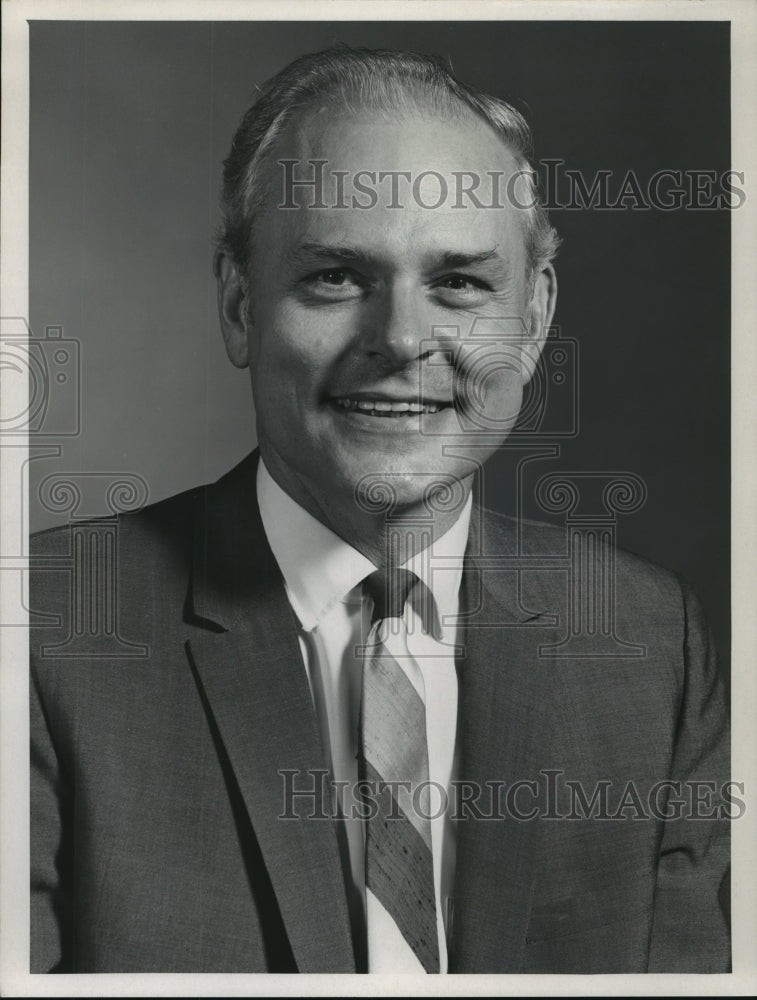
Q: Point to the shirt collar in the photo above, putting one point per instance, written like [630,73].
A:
[444,581]
[320,568]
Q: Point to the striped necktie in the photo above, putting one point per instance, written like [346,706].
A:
[398,856]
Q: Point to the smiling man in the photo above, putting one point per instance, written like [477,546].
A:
[343,303]
[353,743]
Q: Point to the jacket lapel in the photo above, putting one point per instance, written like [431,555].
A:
[248,661]
[502,694]
[249,665]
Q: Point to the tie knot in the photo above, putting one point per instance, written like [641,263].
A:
[389,589]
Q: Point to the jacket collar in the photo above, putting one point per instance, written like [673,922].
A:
[232,564]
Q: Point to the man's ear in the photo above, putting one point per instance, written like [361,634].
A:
[232,310]
[542,309]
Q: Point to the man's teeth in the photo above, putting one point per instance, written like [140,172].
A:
[383,406]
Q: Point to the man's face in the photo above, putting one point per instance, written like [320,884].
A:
[359,321]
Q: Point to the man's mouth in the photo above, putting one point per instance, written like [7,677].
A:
[389,408]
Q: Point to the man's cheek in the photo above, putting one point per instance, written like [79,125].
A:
[305,340]
[509,396]
[489,390]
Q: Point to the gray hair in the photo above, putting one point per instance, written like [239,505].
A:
[380,79]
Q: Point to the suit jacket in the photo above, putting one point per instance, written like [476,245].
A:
[157,793]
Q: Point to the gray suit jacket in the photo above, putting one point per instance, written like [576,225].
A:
[157,842]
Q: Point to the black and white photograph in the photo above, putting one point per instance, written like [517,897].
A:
[378,487]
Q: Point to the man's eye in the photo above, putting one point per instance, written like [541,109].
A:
[335,282]
[458,282]
[338,276]
[463,282]
[462,289]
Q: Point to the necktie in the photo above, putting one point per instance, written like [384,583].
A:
[393,757]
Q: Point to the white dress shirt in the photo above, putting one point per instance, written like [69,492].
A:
[323,575]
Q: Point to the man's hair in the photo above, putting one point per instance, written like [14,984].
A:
[348,79]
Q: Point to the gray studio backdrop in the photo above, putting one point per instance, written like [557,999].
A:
[129,125]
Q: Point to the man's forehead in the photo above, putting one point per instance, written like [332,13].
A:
[412,188]
[421,173]
[411,233]
[442,140]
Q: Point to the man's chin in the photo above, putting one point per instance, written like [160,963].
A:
[427,489]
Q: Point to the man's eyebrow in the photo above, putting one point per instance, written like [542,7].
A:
[326,251]
[454,258]
[309,251]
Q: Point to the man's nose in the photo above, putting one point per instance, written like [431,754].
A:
[399,327]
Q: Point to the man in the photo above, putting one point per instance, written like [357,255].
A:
[356,740]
